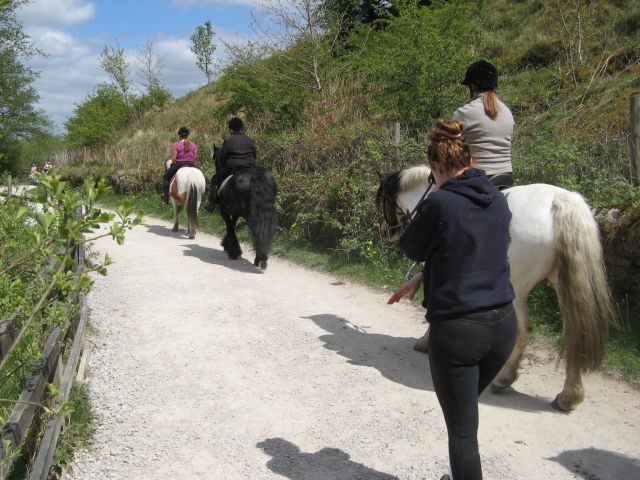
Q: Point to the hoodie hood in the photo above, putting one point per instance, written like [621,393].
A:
[473,184]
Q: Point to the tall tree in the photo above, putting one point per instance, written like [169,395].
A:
[19,119]
[204,48]
[149,65]
[113,61]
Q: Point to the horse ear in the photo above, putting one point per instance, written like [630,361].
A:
[380,176]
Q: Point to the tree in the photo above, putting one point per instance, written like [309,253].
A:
[203,47]
[149,66]
[19,119]
[113,62]
[98,119]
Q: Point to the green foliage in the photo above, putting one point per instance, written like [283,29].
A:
[29,238]
[413,67]
[113,62]
[203,48]
[19,118]
[98,119]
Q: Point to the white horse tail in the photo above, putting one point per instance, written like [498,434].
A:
[192,207]
[583,292]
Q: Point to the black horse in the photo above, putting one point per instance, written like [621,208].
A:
[251,194]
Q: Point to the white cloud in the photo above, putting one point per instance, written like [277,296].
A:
[56,13]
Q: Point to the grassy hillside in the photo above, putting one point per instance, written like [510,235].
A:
[567,70]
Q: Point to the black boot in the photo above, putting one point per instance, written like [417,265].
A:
[165,190]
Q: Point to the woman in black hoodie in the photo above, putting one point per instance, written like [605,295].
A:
[461,231]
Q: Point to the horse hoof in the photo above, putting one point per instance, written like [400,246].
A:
[563,404]
[191,237]
[498,388]
[174,229]
[418,347]
[263,264]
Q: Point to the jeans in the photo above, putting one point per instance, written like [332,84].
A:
[465,354]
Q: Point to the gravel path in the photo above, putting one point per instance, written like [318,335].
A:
[206,368]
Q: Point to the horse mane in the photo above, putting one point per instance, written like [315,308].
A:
[412,177]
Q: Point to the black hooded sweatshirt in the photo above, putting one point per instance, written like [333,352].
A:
[462,232]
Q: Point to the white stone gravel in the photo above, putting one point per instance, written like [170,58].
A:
[205,368]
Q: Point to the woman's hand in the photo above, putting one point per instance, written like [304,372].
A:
[409,288]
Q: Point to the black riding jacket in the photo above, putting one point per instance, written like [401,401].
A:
[237,151]
[462,232]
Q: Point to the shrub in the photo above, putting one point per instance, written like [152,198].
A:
[541,54]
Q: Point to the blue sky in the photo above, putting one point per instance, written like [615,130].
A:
[72,33]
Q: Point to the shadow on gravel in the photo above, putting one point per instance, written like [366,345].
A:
[163,231]
[596,464]
[328,463]
[219,257]
[396,360]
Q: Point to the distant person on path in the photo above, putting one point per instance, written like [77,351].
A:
[46,167]
[488,124]
[183,154]
[238,150]
[462,232]
[33,174]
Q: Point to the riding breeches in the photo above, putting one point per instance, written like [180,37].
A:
[465,354]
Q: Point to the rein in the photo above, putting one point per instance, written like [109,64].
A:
[432,182]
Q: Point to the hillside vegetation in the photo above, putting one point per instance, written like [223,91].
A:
[323,104]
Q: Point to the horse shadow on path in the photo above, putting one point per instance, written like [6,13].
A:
[596,464]
[328,463]
[396,360]
[206,254]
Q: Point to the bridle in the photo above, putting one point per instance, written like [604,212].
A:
[404,217]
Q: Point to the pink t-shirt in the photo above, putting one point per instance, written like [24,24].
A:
[181,155]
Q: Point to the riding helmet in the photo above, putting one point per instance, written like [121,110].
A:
[482,75]
[236,125]
[183,132]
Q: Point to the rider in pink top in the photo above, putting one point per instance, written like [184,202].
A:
[183,154]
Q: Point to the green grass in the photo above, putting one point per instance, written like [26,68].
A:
[385,273]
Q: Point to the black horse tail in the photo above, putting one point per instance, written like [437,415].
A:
[192,208]
[262,212]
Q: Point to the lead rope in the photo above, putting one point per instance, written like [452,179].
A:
[432,181]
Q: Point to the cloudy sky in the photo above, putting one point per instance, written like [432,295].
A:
[72,33]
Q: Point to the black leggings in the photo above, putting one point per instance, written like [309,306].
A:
[465,354]
[502,180]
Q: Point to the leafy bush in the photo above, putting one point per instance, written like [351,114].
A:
[541,54]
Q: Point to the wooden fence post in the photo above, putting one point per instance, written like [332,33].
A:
[396,132]
[634,141]
[9,187]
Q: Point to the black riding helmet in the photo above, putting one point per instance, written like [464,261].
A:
[236,125]
[183,132]
[482,75]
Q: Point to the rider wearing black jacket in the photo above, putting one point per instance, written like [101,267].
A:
[238,150]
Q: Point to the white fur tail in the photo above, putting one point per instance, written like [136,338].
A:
[584,296]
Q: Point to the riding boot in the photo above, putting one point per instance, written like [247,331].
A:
[165,190]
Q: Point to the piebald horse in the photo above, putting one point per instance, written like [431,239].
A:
[186,188]
[553,236]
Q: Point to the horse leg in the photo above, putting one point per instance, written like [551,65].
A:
[232,245]
[509,372]
[422,344]
[175,215]
[573,391]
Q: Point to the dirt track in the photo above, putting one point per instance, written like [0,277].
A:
[206,368]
